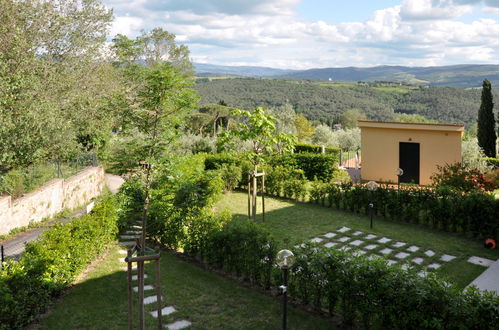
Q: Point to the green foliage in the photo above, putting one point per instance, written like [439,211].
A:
[243,248]
[472,155]
[412,118]
[457,177]
[376,295]
[305,147]
[231,175]
[320,166]
[349,118]
[304,130]
[216,161]
[486,122]
[51,263]
[472,213]
[493,162]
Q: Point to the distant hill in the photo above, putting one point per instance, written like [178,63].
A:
[207,70]
[464,76]
[325,101]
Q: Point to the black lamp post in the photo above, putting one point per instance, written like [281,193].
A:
[371,186]
[285,260]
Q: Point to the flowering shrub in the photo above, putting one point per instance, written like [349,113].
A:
[457,177]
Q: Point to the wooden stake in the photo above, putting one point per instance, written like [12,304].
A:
[140,268]
[255,188]
[130,316]
[158,289]
[263,196]
[249,198]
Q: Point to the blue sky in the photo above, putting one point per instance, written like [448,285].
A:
[300,34]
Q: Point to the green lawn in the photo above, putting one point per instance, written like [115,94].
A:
[292,223]
[206,299]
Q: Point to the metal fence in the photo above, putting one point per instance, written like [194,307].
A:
[350,159]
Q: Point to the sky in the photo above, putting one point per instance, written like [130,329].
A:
[304,34]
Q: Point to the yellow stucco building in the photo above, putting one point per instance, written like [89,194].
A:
[415,148]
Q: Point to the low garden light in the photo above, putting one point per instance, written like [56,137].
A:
[371,186]
[285,260]
[399,172]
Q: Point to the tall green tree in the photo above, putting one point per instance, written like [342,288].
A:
[486,122]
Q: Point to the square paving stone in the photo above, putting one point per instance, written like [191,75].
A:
[329,235]
[316,240]
[165,311]
[146,287]
[413,248]
[345,248]
[423,273]
[357,242]
[391,262]
[357,233]
[177,325]
[344,229]
[359,253]
[399,244]
[330,244]
[370,236]
[386,251]
[371,246]
[434,266]
[405,266]
[429,253]
[384,240]
[129,236]
[150,299]
[373,256]
[418,261]
[344,239]
[122,252]
[447,257]
[129,243]
[480,261]
[402,255]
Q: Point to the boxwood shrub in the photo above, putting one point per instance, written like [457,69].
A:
[51,263]
[305,147]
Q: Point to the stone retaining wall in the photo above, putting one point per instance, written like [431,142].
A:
[51,198]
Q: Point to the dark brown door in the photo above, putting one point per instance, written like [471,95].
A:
[409,162]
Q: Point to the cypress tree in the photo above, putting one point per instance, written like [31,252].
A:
[486,122]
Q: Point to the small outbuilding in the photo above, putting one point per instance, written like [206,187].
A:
[415,148]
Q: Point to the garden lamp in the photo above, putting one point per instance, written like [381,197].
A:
[371,186]
[399,172]
[285,260]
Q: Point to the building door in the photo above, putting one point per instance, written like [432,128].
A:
[409,162]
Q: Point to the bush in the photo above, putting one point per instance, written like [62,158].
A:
[457,177]
[493,162]
[320,166]
[276,178]
[231,175]
[312,148]
[216,161]
[52,262]
[380,296]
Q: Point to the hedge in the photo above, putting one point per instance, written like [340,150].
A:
[494,162]
[472,213]
[305,147]
[314,166]
[51,263]
[216,161]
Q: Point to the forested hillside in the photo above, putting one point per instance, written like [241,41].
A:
[326,101]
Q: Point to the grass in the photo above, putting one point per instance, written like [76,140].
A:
[292,223]
[206,299]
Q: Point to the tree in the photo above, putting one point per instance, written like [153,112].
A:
[412,118]
[349,118]
[486,122]
[304,130]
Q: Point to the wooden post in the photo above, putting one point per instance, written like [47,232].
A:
[140,268]
[255,188]
[158,289]
[263,196]
[130,316]
[249,198]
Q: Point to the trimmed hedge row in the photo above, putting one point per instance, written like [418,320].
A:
[305,147]
[494,162]
[386,297]
[52,262]
[471,213]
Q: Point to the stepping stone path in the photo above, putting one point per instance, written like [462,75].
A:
[413,248]
[384,240]
[402,255]
[345,238]
[129,240]
[447,258]
[386,251]
[343,229]
[429,253]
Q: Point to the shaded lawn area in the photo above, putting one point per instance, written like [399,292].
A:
[206,299]
[292,223]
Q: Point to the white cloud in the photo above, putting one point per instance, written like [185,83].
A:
[266,32]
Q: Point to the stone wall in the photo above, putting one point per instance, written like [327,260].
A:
[51,198]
